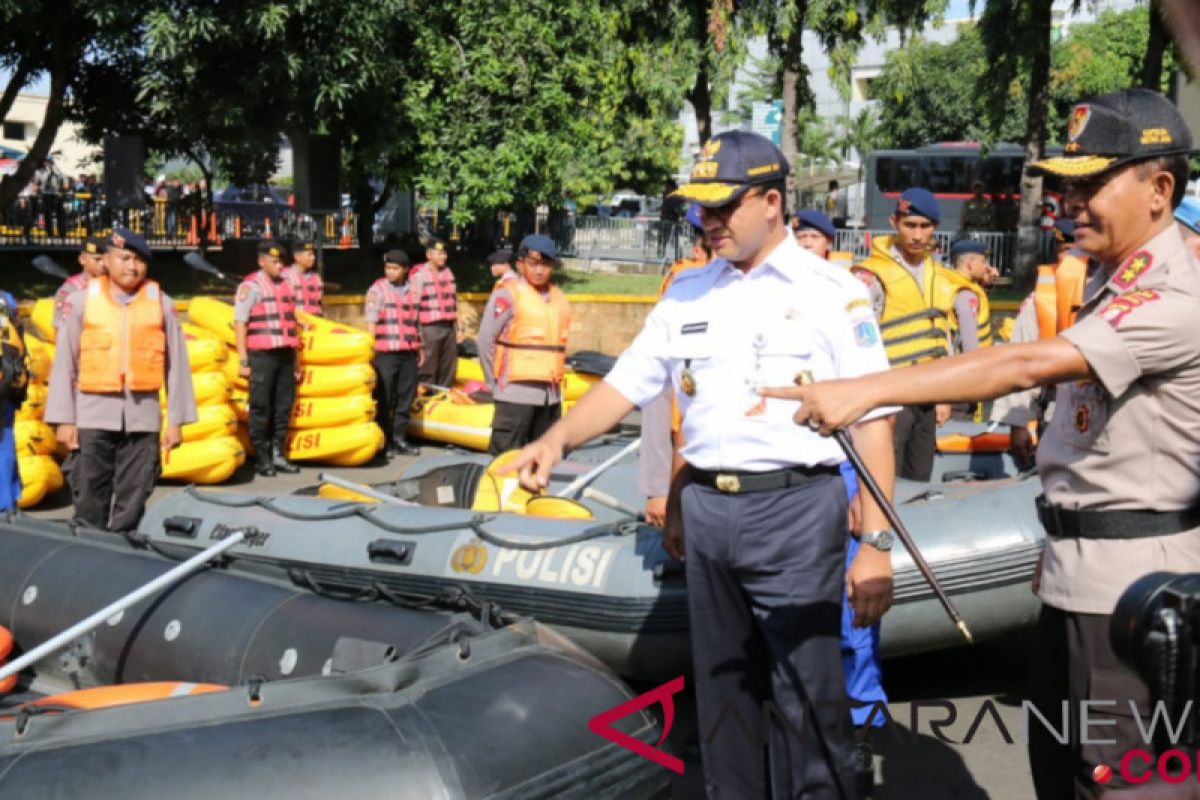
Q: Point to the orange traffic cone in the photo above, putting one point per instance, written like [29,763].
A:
[212,228]
[193,237]
[345,241]
[267,228]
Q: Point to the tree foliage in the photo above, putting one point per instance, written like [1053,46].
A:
[932,92]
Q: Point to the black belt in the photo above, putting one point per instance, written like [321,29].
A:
[740,482]
[1117,524]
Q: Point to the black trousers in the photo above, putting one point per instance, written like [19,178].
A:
[441,353]
[395,390]
[517,424]
[915,442]
[1072,661]
[765,574]
[272,392]
[112,475]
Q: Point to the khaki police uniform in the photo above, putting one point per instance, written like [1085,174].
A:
[1127,445]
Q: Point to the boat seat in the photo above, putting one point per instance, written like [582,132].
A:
[497,492]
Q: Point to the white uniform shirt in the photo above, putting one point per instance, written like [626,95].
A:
[737,331]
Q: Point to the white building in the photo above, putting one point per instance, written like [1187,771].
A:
[70,153]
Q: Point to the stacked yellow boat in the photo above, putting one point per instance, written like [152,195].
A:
[35,442]
[210,452]
[333,418]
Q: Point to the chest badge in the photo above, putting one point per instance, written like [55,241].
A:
[1083,419]
[687,380]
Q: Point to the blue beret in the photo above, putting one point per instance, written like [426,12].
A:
[1189,213]
[964,246]
[539,243]
[918,202]
[817,221]
[1064,229]
[128,240]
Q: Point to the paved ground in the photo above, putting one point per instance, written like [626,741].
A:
[907,767]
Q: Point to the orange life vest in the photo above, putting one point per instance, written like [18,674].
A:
[533,347]
[122,346]
[1059,294]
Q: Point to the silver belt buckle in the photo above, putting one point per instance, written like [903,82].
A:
[728,483]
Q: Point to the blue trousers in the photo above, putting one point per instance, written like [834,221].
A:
[860,646]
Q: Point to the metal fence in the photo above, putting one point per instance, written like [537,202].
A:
[1003,245]
[64,221]
[659,242]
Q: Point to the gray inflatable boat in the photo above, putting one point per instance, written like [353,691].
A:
[605,582]
[315,697]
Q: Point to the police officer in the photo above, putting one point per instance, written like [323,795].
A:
[814,232]
[1119,459]
[433,282]
[977,212]
[760,505]
[913,297]
[522,347]
[500,264]
[1188,217]
[972,312]
[119,344]
[91,263]
[391,312]
[306,281]
[264,320]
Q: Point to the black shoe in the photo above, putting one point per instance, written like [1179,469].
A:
[404,449]
[266,469]
[864,766]
[285,466]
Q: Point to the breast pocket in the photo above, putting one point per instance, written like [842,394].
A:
[787,355]
[1081,417]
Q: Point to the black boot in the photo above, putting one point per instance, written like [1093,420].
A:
[265,468]
[402,448]
[281,464]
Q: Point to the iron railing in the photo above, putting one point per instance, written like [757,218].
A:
[1002,244]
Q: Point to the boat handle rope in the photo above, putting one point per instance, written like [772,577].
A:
[476,523]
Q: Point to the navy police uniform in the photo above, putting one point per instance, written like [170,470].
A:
[765,512]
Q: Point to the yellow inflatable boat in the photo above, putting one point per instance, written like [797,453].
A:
[214,421]
[34,438]
[41,358]
[331,412]
[346,446]
[454,418]
[325,342]
[42,318]
[206,352]
[209,388]
[35,403]
[207,461]
[335,380]
[574,384]
[40,476]
[213,315]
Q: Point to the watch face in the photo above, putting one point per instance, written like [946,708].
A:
[885,539]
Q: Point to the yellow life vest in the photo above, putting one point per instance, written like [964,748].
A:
[916,319]
[983,314]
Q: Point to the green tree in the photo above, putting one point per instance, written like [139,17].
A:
[859,133]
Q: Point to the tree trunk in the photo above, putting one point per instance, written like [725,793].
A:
[11,185]
[15,84]
[1152,66]
[1028,237]
[701,100]
[791,67]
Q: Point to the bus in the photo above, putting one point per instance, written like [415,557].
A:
[947,169]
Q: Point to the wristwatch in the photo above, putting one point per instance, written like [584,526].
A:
[880,540]
[245,362]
